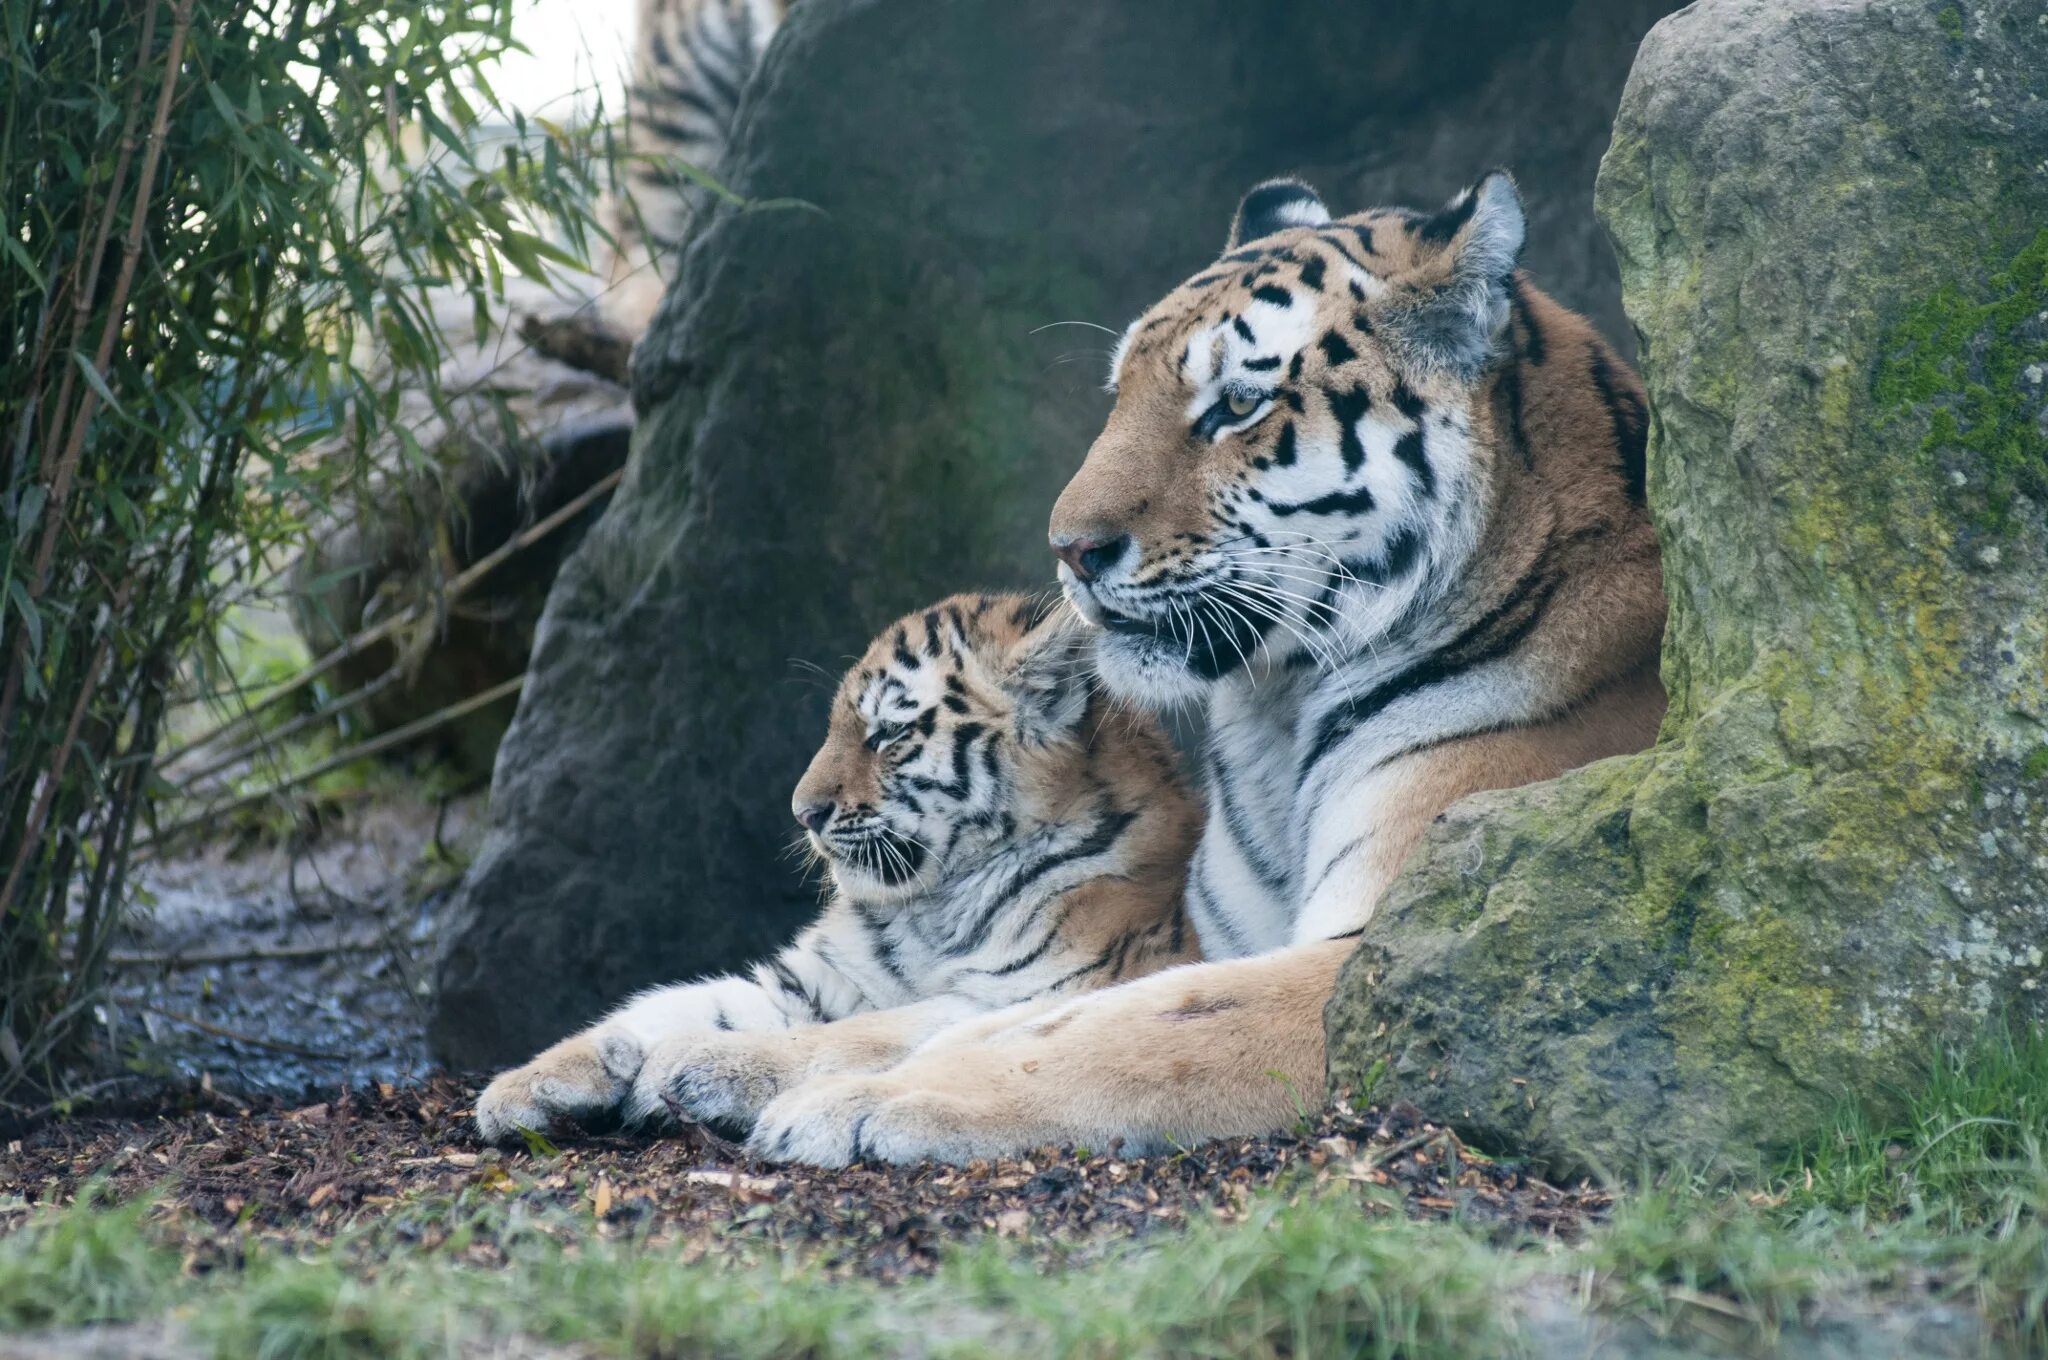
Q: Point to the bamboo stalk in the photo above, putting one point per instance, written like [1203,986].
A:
[376,745]
[55,503]
[31,834]
[370,636]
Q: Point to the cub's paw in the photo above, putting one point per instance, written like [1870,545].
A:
[583,1079]
[713,1078]
[837,1121]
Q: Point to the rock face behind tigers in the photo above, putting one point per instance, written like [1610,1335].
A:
[850,409]
[1833,228]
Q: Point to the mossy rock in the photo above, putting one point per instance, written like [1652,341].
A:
[1832,220]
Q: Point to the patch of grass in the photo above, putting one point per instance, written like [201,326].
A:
[93,1263]
[1942,1203]
[1969,1143]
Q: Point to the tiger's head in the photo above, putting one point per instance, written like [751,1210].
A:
[943,739]
[1295,421]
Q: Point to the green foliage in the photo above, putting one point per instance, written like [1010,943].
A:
[1968,360]
[92,1263]
[224,224]
[1968,1148]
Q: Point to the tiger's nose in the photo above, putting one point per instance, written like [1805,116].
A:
[813,816]
[1089,557]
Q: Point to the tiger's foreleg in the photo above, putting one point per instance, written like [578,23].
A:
[727,1078]
[590,1075]
[1207,1051]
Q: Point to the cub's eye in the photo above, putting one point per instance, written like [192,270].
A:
[1241,404]
[886,734]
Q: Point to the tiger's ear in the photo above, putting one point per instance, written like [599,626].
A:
[1050,680]
[1274,206]
[1457,328]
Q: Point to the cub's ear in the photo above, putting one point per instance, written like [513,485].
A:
[1274,206]
[1458,327]
[1051,678]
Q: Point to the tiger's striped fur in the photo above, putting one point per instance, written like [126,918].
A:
[995,833]
[1376,503]
[691,59]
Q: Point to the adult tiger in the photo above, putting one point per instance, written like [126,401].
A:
[691,59]
[1377,503]
[994,833]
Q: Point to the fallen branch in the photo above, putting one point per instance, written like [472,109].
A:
[354,698]
[237,1036]
[257,954]
[482,567]
[376,745]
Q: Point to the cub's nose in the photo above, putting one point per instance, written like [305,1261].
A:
[813,816]
[1090,557]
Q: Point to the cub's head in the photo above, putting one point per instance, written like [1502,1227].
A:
[1294,422]
[940,738]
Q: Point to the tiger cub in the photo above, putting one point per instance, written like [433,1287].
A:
[995,832]
[691,59]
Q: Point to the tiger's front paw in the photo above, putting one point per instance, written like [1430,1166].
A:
[712,1078]
[585,1078]
[837,1121]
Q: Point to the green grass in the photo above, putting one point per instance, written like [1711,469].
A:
[1941,1202]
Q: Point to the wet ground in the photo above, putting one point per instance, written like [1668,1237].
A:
[299,1173]
[284,971]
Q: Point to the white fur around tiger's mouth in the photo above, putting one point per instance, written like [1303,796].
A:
[874,854]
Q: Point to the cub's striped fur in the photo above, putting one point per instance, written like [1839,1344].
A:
[1376,503]
[691,59]
[995,833]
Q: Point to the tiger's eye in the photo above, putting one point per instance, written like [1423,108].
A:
[1241,405]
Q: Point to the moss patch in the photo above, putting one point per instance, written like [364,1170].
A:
[1978,366]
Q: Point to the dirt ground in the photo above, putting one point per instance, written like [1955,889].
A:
[311,1172]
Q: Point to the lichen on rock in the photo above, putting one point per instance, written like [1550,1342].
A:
[1827,215]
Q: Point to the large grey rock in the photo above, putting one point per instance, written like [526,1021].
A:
[1832,217]
[849,411]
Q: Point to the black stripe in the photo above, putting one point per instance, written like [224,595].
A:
[1283,451]
[1279,297]
[1204,905]
[1265,365]
[1349,408]
[1311,273]
[1511,392]
[1631,426]
[1018,965]
[1244,332]
[1501,630]
[1336,243]
[1238,823]
[1358,501]
[795,989]
[1534,348]
[1335,348]
[880,945]
[1442,227]
[1408,448]
[1103,837]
